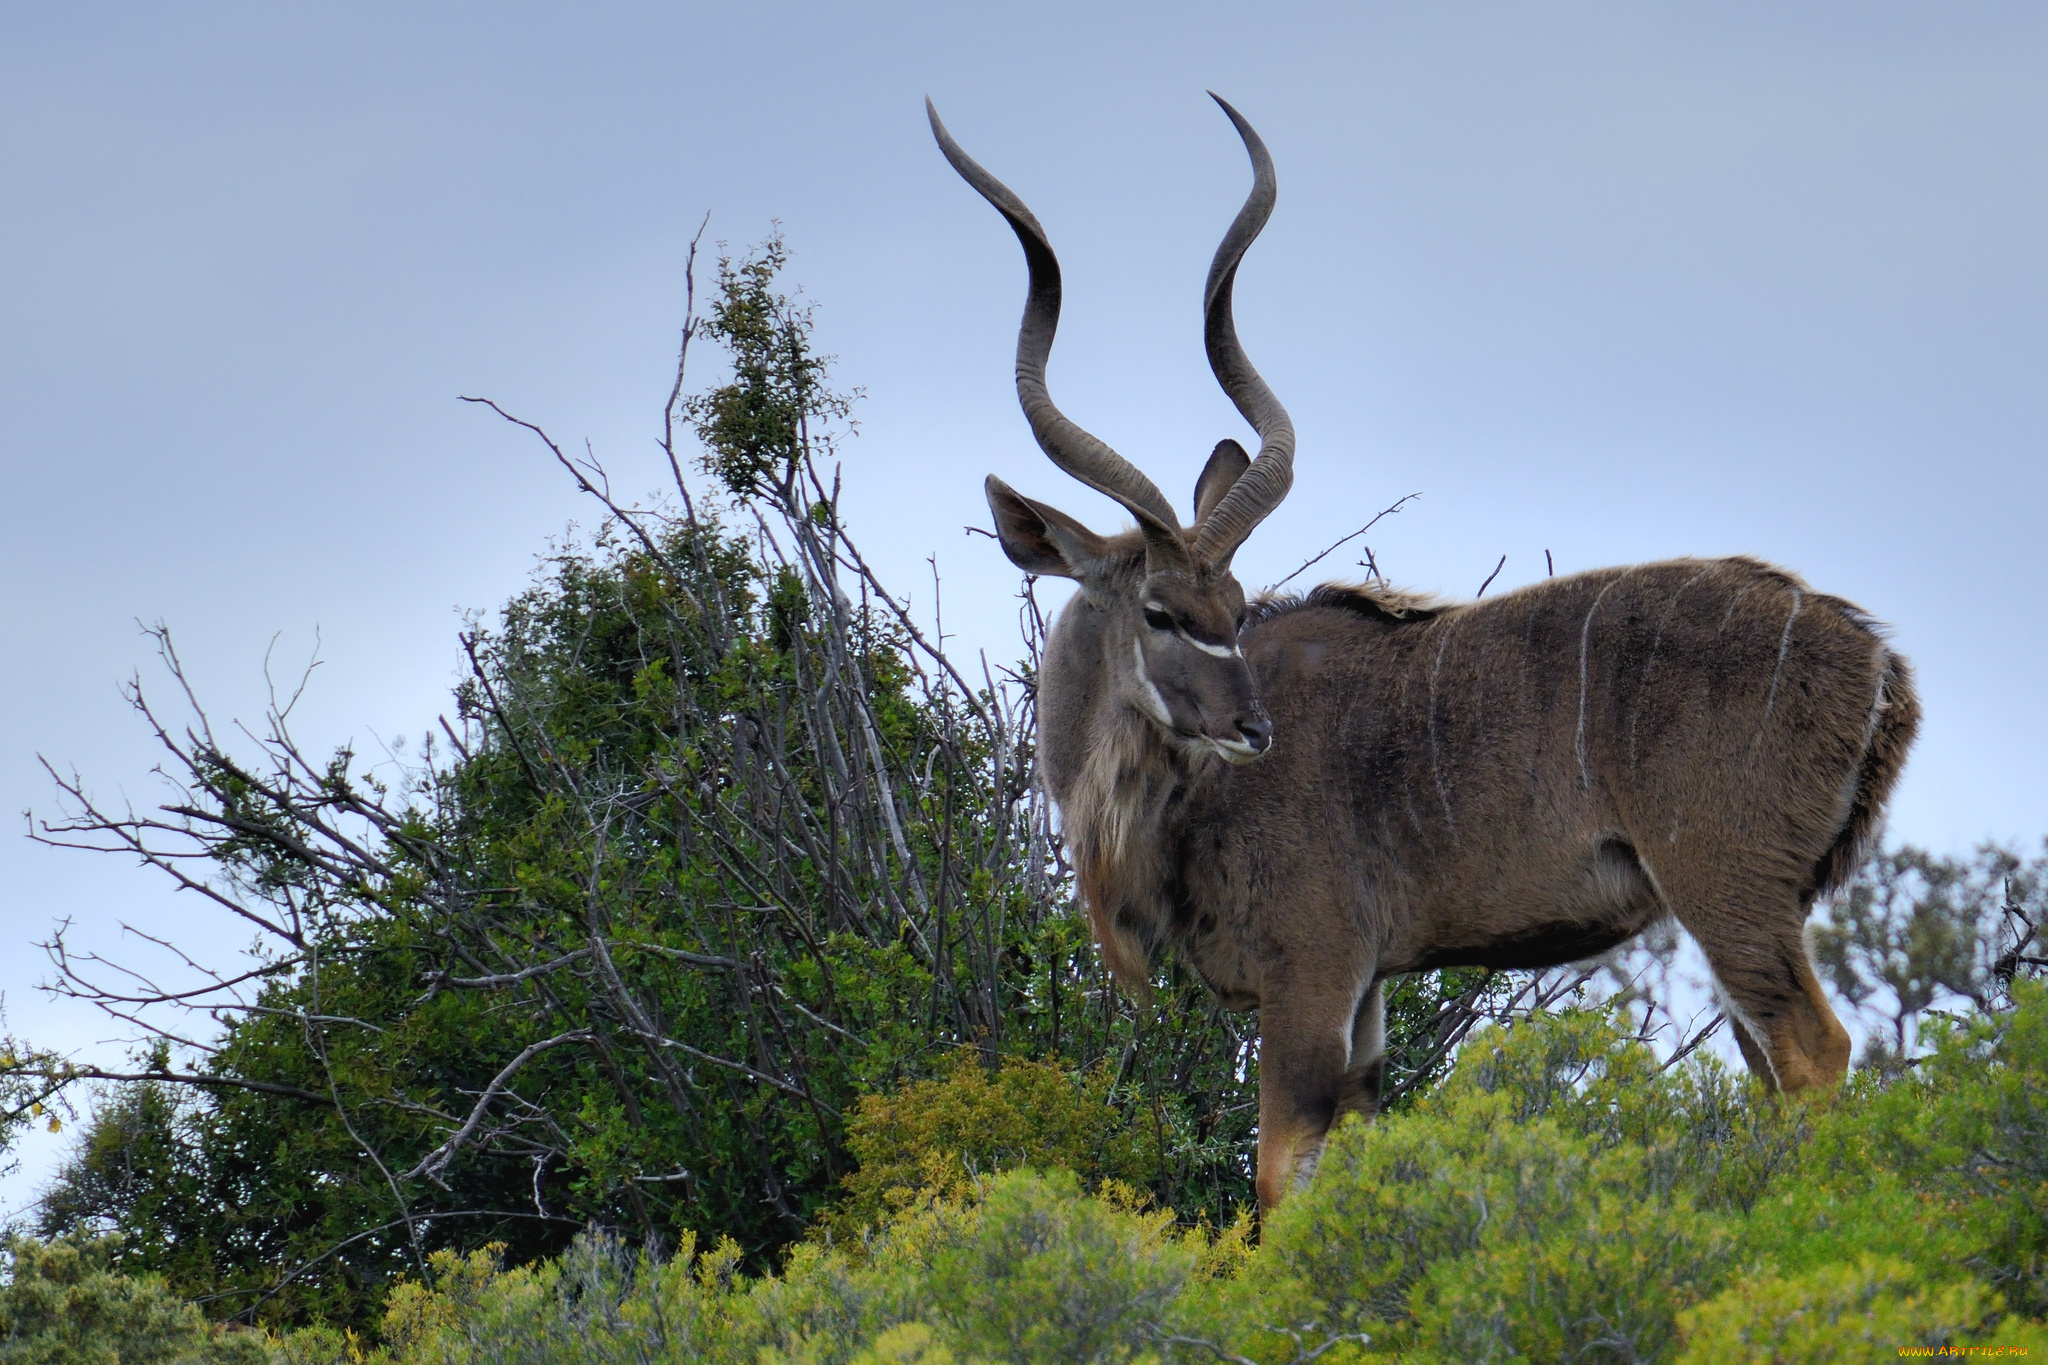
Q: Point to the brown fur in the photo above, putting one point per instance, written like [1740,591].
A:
[1518,782]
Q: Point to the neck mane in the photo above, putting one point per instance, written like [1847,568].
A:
[1118,815]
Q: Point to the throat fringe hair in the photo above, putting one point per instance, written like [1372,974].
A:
[1114,820]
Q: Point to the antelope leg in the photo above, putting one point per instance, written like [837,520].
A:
[1306,1077]
[1754,938]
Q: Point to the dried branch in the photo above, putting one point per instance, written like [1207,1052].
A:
[435,1162]
[1334,545]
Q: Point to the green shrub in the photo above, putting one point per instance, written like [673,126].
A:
[910,1343]
[1043,1273]
[323,1345]
[1704,1125]
[1580,1261]
[939,1137]
[1865,1309]
[1029,1269]
[62,1304]
[1961,1141]
[597,1304]
[1471,1236]
[1559,1197]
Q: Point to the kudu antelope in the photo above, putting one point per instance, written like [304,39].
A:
[1306,796]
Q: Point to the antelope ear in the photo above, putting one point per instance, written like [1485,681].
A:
[1227,463]
[1043,540]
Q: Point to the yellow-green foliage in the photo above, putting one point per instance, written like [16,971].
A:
[1032,1269]
[1539,1207]
[1044,1275]
[1947,1167]
[909,1343]
[1559,1198]
[1864,1309]
[936,1138]
[61,1305]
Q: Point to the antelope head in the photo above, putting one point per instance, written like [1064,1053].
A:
[1169,607]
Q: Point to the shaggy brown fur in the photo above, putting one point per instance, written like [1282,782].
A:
[1518,782]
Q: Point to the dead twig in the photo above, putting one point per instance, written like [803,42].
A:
[1316,559]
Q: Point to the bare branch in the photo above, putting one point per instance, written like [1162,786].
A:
[198,1079]
[435,1162]
[1318,558]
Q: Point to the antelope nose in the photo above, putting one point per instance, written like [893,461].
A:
[1257,732]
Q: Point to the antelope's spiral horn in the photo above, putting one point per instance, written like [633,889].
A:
[1259,490]
[1067,445]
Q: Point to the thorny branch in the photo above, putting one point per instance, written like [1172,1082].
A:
[1334,545]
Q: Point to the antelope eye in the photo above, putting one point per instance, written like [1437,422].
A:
[1158,619]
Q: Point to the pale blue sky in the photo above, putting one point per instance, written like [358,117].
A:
[1621,281]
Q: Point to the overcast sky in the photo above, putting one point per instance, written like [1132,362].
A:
[1617,281]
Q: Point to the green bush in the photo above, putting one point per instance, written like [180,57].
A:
[938,1137]
[1029,1269]
[1540,1206]
[62,1304]
[1041,1273]
[1867,1308]
[1560,1197]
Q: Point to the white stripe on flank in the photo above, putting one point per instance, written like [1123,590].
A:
[1784,644]
[1435,771]
[1729,614]
[1585,639]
